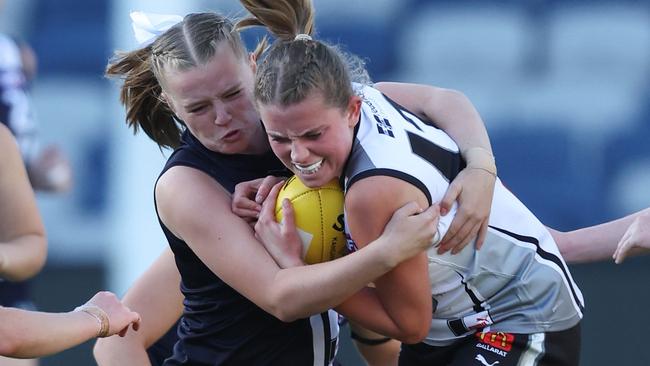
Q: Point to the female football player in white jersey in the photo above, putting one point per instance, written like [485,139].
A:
[514,302]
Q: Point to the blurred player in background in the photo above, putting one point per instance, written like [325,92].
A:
[23,243]
[47,167]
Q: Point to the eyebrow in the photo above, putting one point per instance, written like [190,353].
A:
[227,91]
[308,132]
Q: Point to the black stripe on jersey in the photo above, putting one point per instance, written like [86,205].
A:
[401,110]
[391,173]
[448,163]
[327,338]
[546,255]
[457,327]
[477,303]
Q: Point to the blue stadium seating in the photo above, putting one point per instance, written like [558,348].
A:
[542,168]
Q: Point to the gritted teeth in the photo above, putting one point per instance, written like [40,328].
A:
[309,169]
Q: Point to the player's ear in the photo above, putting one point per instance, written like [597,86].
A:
[165,99]
[252,61]
[353,110]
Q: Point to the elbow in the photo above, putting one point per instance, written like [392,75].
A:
[414,334]
[284,311]
[36,262]
[31,262]
[284,306]
[414,329]
[9,346]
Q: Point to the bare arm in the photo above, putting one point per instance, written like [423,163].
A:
[472,188]
[202,217]
[23,245]
[400,306]
[594,243]
[156,296]
[28,334]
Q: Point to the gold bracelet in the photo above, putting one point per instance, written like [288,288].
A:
[483,169]
[480,158]
[99,314]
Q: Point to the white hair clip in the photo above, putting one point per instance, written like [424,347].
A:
[148,26]
[302,37]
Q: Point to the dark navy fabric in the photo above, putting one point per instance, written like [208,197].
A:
[219,326]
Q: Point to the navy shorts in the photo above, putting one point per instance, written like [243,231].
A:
[499,348]
[16,295]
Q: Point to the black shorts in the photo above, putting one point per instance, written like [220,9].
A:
[498,348]
[16,295]
[164,347]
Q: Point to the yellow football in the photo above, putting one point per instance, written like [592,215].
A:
[319,218]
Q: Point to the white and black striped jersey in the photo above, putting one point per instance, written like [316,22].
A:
[517,282]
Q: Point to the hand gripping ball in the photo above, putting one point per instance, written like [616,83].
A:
[319,218]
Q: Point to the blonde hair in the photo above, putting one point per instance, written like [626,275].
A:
[293,67]
[188,44]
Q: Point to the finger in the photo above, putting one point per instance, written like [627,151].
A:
[482,233]
[450,197]
[621,253]
[409,209]
[243,205]
[136,322]
[620,248]
[268,207]
[456,240]
[246,189]
[451,232]
[433,211]
[465,228]
[246,214]
[288,216]
[466,237]
[263,190]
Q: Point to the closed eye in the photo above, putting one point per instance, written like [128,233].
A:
[279,139]
[233,94]
[197,109]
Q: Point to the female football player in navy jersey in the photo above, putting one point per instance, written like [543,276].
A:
[191,89]
[513,303]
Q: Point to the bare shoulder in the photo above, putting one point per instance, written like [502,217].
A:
[5,135]
[382,193]
[11,159]
[185,196]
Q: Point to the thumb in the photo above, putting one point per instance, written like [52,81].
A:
[288,215]
[409,209]
[450,197]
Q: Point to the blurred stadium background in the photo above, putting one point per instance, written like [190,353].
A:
[562,86]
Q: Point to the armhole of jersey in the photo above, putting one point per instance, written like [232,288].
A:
[401,111]
[391,173]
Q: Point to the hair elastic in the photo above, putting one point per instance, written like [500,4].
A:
[302,37]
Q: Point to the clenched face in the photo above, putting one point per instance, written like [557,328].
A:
[215,100]
[312,138]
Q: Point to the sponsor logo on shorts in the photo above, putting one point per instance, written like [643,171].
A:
[483,361]
[496,342]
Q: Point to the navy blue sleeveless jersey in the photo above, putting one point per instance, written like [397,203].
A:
[219,326]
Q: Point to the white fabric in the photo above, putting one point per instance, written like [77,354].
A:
[148,26]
